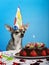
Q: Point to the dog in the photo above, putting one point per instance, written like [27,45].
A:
[15,42]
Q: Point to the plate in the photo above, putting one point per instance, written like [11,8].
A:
[27,57]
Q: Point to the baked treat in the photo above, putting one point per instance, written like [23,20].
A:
[34,49]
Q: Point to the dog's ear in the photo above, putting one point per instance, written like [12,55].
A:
[26,26]
[9,28]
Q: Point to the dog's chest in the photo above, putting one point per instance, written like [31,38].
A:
[17,43]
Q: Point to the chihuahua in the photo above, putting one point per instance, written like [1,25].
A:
[15,42]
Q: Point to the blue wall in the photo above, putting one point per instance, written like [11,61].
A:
[34,12]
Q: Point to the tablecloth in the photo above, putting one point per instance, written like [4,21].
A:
[7,57]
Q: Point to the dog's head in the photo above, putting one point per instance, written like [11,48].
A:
[17,33]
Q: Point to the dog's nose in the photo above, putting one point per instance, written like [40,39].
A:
[22,35]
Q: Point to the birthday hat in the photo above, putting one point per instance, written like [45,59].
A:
[18,20]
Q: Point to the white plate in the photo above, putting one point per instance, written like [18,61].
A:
[26,57]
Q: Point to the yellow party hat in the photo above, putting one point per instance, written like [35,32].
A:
[18,19]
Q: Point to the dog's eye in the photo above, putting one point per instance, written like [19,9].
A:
[23,31]
[16,32]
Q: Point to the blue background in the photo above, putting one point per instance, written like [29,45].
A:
[34,12]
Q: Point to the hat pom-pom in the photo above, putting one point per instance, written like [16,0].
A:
[15,28]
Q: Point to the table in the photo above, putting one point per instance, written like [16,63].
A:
[9,59]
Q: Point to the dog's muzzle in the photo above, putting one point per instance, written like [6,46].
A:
[22,35]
